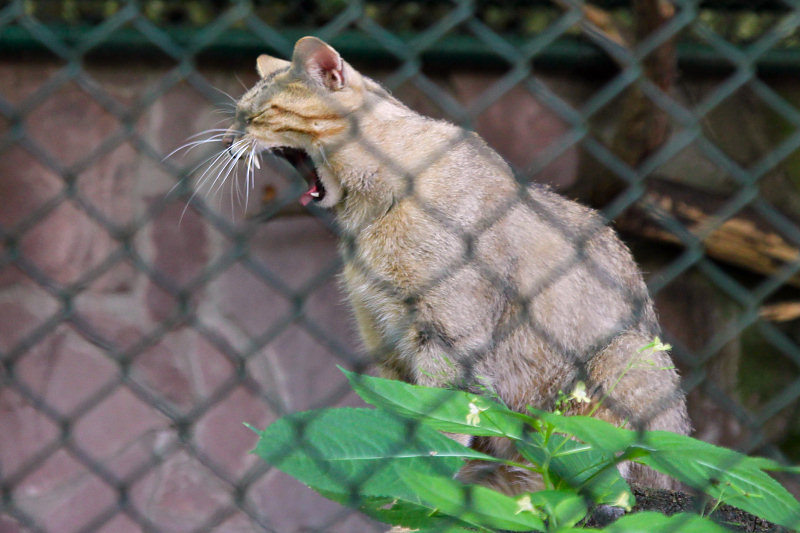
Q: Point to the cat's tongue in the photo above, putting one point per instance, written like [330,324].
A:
[310,195]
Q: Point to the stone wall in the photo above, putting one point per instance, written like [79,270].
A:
[127,313]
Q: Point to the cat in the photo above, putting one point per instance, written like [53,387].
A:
[458,274]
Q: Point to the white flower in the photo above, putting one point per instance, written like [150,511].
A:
[624,501]
[656,346]
[579,393]
[525,504]
[474,415]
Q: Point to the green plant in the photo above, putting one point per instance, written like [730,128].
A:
[394,464]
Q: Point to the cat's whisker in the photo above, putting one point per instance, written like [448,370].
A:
[231,165]
[226,94]
[205,175]
[194,169]
[324,157]
[223,119]
[235,150]
[215,130]
[250,175]
[254,163]
[206,160]
[243,85]
[247,155]
[246,178]
[219,134]
[189,146]
[215,139]
[218,166]
[238,189]
[198,186]
[236,186]
[227,109]
[221,166]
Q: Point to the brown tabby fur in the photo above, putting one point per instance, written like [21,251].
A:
[459,275]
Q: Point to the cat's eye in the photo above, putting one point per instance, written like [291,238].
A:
[250,119]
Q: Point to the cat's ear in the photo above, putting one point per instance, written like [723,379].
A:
[319,62]
[266,65]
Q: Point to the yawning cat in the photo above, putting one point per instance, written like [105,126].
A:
[459,275]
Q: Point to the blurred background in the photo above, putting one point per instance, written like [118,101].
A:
[144,319]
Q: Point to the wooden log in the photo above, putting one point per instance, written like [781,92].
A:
[781,312]
[745,239]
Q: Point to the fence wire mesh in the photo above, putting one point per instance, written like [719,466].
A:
[150,308]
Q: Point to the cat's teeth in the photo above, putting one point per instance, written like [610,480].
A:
[315,194]
[256,163]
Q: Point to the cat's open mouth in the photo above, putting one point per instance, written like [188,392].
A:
[300,160]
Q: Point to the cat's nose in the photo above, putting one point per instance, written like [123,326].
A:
[228,139]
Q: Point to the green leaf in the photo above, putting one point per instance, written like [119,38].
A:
[598,433]
[477,505]
[581,467]
[652,522]
[724,474]
[721,473]
[444,409]
[415,516]
[771,465]
[563,508]
[451,529]
[575,465]
[351,452]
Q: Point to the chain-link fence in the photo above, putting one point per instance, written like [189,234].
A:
[150,307]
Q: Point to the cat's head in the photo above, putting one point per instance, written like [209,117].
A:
[299,108]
